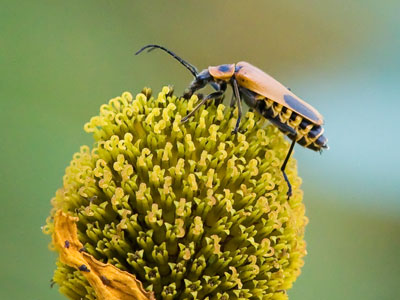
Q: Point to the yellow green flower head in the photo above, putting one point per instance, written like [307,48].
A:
[164,210]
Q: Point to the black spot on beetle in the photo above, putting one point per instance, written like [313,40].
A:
[322,141]
[302,141]
[304,123]
[314,147]
[83,268]
[83,249]
[224,68]
[105,280]
[316,130]
[66,244]
[300,107]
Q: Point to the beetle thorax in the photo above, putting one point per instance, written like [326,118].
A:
[222,72]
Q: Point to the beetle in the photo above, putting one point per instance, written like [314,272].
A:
[301,122]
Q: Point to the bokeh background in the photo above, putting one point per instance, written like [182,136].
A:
[60,60]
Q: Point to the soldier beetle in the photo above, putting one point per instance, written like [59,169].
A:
[301,122]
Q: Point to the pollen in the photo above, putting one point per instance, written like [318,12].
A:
[166,210]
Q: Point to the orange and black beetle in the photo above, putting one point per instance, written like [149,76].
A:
[301,122]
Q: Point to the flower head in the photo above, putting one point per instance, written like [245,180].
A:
[177,211]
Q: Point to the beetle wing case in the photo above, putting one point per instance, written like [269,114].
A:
[256,80]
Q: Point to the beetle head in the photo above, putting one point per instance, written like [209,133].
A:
[199,82]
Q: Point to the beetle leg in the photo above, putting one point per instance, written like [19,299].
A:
[239,104]
[215,86]
[289,193]
[222,88]
[209,97]
[283,127]
[232,104]
[233,100]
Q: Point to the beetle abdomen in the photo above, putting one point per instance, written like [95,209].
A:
[293,125]
[305,132]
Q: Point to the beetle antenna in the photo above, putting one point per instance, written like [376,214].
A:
[188,66]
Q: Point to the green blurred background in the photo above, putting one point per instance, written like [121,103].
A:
[60,60]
